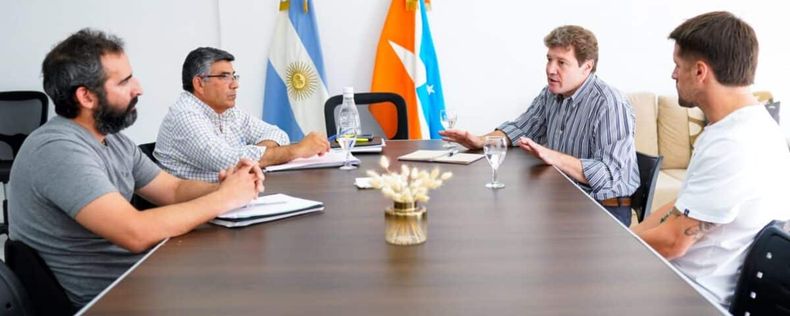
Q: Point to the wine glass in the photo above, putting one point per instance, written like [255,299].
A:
[448,119]
[495,149]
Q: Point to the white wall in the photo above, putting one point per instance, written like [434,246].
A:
[491,53]
[158,35]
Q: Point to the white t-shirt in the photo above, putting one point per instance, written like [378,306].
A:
[737,179]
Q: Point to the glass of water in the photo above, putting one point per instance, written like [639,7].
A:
[346,138]
[448,119]
[495,149]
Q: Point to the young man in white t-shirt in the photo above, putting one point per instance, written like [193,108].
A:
[735,182]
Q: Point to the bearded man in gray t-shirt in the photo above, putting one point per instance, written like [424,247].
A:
[73,178]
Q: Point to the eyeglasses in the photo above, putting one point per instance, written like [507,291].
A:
[226,77]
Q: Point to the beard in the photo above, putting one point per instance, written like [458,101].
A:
[686,103]
[110,120]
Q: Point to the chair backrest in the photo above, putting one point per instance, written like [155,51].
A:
[46,294]
[774,108]
[148,150]
[642,198]
[13,297]
[764,284]
[138,201]
[367,99]
[21,112]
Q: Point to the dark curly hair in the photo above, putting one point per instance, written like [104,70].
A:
[76,62]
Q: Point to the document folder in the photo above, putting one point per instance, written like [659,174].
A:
[333,158]
[267,208]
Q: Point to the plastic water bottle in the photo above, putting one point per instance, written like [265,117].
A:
[348,127]
[348,115]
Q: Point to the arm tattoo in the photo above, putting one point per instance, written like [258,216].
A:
[699,230]
[673,212]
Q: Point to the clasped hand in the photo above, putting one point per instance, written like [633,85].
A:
[243,181]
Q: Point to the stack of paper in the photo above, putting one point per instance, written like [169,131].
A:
[447,156]
[267,208]
[333,158]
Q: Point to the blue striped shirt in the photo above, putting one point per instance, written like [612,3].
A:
[596,125]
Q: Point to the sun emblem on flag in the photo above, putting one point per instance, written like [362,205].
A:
[301,80]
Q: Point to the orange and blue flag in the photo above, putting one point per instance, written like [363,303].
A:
[406,64]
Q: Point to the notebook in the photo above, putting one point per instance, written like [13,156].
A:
[333,158]
[266,209]
[445,156]
[373,144]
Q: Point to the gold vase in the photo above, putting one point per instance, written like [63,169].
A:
[406,224]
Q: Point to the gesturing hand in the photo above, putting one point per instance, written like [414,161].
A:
[537,150]
[464,138]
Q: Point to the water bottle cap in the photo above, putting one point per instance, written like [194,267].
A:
[348,90]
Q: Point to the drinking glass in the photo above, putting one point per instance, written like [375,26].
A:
[495,149]
[448,119]
[347,137]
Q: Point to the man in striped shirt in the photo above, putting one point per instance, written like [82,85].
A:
[577,123]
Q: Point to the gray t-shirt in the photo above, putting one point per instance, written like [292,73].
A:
[59,170]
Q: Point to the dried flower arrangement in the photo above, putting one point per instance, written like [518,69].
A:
[406,223]
[411,185]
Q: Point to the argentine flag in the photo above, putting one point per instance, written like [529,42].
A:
[406,64]
[295,89]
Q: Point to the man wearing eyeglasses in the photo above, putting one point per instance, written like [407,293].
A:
[204,132]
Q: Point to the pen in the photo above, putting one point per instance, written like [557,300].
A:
[360,139]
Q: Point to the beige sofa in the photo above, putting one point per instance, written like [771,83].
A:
[665,128]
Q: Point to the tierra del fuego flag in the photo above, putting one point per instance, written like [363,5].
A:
[295,89]
[406,64]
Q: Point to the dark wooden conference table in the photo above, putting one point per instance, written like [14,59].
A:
[538,246]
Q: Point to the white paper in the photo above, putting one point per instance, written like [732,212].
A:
[447,156]
[271,205]
[424,155]
[363,183]
[333,158]
[256,220]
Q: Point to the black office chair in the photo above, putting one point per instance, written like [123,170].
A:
[148,150]
[13,296]
[138,201]
[764,284]
[21,112]
[45,292]
[642,199]
[773,108]
[366,99]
